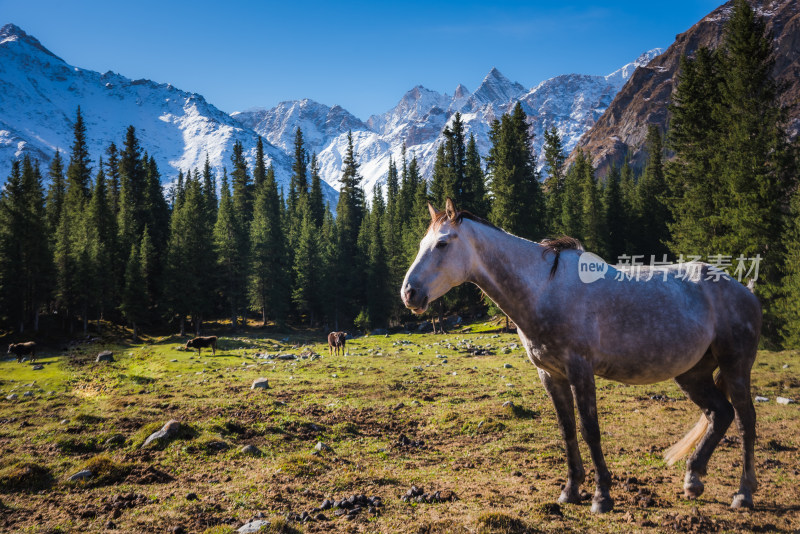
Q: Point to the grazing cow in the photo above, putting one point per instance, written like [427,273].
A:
[336,341]
[21,349]
[201,342]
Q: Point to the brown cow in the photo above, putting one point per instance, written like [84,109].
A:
[23,348]
[336,341]
[201,342]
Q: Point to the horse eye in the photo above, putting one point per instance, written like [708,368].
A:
[441,244]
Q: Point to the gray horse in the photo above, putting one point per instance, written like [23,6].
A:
[632,330]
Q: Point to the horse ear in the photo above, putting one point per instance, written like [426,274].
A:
[432,211]
[451,210]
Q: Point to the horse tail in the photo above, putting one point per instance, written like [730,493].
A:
[688,442]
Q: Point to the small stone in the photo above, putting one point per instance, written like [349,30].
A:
[321,517]
[785,366]
[784,400]
[286,356]
[192,496]
[250,450]
[116,439]
[399,406]
[253,526]
[507,366]
[178,530]
[761,399]
[260,383]
[84,474]
[173,361]
[105,356]
[167,431]
[38,367]
[28,394]
[508,404]
[322,447]
[13,396]
[110,525]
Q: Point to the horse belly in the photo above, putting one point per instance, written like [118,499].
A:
[650,364]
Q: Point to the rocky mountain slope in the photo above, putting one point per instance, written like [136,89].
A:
[644,98]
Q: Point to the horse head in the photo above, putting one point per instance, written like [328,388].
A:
[443,261]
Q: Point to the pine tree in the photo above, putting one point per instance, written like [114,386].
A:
[298,186]
[269,283]
[102,230]
[189,251]
[260,167]
[134,301]
[315,201]
[473,194]
[132,192]
[74,276]
[572,196]
[25,265]
[227,243]
[350,213]
[554,158]
[242,188]
[614,216]
[591,212]
[56,192]
[651,209]
[306,290]
[443,180]
[379,297]
[517,204]
[112,175]
[209,193]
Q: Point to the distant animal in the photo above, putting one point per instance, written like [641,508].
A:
[336,341]
[201,342]
[21,349]
[662,325]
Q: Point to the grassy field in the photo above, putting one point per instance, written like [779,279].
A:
[498,466]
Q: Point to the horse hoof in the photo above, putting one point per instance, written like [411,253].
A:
[742,500]
[693,487]
[569,497]
[602,505]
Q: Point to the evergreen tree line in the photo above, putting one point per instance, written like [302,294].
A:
[721,180]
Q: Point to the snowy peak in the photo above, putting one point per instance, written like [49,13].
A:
[497,88]
[11,33]
[320,123]
[621,75]
[461,92]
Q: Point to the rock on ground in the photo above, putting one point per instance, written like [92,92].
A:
[253,526]
[167,431]
[81,475]
[105,356]
[260,383]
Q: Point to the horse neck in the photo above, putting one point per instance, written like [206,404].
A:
[509,269]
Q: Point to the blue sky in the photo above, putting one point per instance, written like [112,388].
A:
[362,56]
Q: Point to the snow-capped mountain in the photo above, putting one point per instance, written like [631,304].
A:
[572,103]
[40,92]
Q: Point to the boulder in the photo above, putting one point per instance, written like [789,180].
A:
[168,431]
[260,383]
[85,474]
[105,356]
[253,526]
[322,447]
[250,450]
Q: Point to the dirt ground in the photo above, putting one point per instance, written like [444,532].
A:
[461,417]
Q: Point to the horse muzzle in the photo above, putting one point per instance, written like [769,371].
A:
[415,300]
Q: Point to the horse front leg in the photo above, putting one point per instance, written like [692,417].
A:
[581,379]
[559,392]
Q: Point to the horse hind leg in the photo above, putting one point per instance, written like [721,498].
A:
[560,394]
[699,385]
[737,380]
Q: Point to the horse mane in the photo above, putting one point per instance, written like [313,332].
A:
[556,246]
[441,217]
